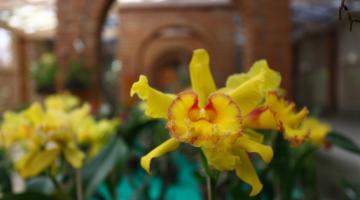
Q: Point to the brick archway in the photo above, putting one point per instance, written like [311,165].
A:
[201,37]
[80,23]
[154,46]
[150,31]
[96,15]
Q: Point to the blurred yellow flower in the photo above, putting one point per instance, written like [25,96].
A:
[278,114]
[318,130]
[215,119]
[15,128]
[62,101]
[44,134]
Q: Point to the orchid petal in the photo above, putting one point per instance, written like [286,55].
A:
[165,147]
[246,172]
[157,103]
[202,81]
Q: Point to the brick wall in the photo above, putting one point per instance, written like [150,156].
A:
[266,26]
[142,44]
[267,29]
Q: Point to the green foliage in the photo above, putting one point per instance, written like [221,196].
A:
[343,142]
[40,184]
[27,196]
[96,170]
[5,169]
[351,191]
[77,77]
[44,73]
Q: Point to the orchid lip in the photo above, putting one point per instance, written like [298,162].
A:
[203,126]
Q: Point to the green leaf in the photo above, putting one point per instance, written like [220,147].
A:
[237,192]
[351,191]
[299,169]
[41,184]
[343,142]
[281,160]
[96,170]
[27,196]
[5,171]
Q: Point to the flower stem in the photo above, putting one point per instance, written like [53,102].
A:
[208,187]
[208,175]
[79,192]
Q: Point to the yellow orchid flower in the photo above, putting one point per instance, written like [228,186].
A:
[49,135]
[62,101]
[213,119]
[278,114]
[318,130]
[14,127]
[95,133]
[43,134]
[36,160]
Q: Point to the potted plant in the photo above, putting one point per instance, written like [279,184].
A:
[44,73]
[77,78]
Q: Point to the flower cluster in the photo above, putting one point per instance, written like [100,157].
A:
[223,122]
[39,136]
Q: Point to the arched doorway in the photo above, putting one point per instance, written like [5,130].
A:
[170,70]
[166,53]
[152,31]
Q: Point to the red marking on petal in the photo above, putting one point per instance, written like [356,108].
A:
[254,114]
[211,111]
[196,103]
[209,106]
[193,112]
